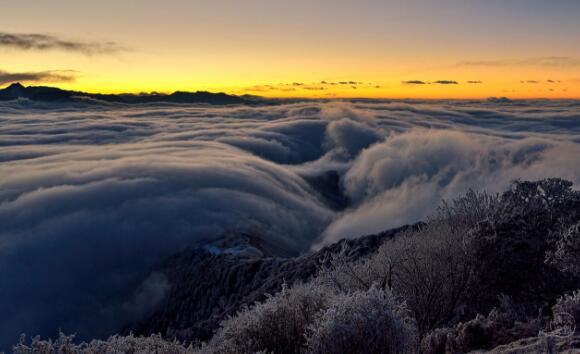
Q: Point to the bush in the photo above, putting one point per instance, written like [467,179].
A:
[312,318]
[431,269]
[567,250]
[363,322]
[114,345]
[503,325]
[276,325]
[455,264]
[512,245]
[430,266]
[567,313]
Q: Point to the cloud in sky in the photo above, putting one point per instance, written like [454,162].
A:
[553,62]
[82,185]
[437,82]
[414,82]
[38,76]
[446,82]
[43,42]
[310,86]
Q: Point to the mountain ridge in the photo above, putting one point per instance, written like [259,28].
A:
[53,94]
[226,281]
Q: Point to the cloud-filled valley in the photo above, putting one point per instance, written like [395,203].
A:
[93,196]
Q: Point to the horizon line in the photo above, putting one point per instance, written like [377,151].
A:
[155,92]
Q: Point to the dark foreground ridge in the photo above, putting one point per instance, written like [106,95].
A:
[53,94]
[211,284]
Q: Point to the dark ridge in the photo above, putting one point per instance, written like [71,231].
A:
[207,287]
[53,94]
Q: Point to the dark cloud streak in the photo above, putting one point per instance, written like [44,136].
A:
[414,82]
[44,42]
[38,76]
[438,82]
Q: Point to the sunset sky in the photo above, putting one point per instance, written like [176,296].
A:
[299,48]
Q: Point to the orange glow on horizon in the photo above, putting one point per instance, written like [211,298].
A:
[315,90]
[319,75]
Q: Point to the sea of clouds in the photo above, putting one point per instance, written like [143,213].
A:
[94,196]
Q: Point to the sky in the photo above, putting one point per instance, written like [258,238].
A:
[315,48]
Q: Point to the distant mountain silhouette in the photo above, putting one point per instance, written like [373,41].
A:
[53,94]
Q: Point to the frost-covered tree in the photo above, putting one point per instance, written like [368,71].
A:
[567,313]
[512,245]
[363,322]
[277,325]
[430,265]
[113,345]
[507,323]
[566,254]
[309,318]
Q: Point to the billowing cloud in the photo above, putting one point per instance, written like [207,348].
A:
[42,42]
[401,180]
[92,197]
[38,76]
[101,226]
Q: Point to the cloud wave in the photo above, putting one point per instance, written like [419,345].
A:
[93,196]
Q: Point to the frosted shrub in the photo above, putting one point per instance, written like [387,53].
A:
[430,266]
[276,325]
[567,313]
[567,250]
[114,345]
[512,247]
[345,275]
[433,272]
[363,322]
[503,325]
[467,211]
